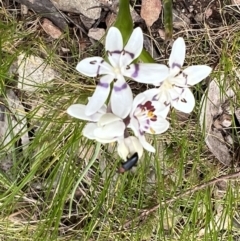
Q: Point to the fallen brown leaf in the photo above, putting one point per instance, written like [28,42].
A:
[51,29]
[150,11]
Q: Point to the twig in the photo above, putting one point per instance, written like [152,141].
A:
[180,195]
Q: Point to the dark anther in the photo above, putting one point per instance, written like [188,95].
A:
[93,62]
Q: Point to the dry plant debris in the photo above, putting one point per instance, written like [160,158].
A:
[51,29]
[33,72]
[150,11]
[217,115]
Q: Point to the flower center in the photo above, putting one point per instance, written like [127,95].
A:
[166,85]
[117,70]
[146,111]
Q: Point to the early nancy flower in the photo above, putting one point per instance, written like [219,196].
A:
[103,127]
[174,90]
[119,65]
[147,116]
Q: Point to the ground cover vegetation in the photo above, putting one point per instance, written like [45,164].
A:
[58,185]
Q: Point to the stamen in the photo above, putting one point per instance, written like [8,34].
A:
[93,62]
[166,104]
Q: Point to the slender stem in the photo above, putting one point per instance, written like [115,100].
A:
[93,159]
[180,195]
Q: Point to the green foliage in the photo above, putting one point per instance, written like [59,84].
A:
[168,18]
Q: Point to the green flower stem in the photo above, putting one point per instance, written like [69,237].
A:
[93,159]
[124,20]
[167,6]
[145,57]
[125,24]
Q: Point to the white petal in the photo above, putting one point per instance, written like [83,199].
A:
[107,119]
[134,125]
[121,98]
[145,144]
[88,130]
[133,47]
[177,56]
[99,96]
[122,149]
[164,96]
[161,109]
[147,73]
[134,145]
[196,73]
[78,111]
[94,66]
[137,100]
[152,94]
[186,101]
[112,130]
[114,45]
[114,40]
[159,126]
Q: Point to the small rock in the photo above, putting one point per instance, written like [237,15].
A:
[87,22]
[236,2]
[46,9]
[13,123]
[51,29]
[96,33]
[162,34]
[80,6]
[208,13]
[199,17]
[24,9]
[106,2]
[33,72]
[180,20]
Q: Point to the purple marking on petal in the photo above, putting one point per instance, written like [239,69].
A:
[116,88]
[93,62]
[185,76]
[116,52]
[175,65]
[148,122]
[155,98]
[104,85]
[135,74]
[127,52]
[141,132]
[166,104]
[99,66]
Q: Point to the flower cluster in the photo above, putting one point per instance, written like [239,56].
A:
[147,112]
